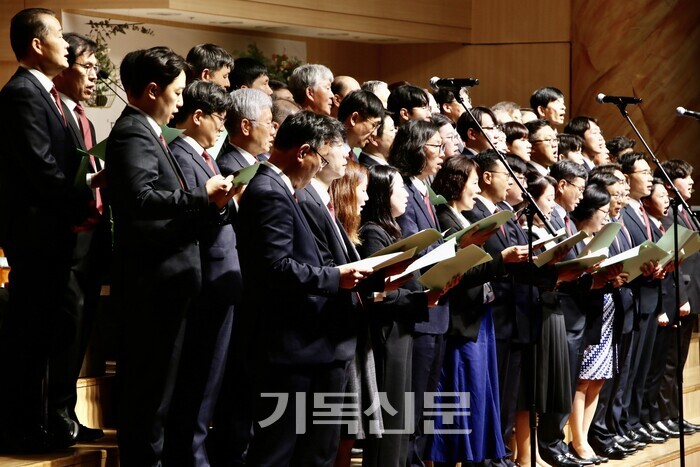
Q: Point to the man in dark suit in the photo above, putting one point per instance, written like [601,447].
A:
[474,140]
[287,288]
[210,319]
[250,130]
[361,112]
[157,270]
[647,293]
[37,166]
[376,151]
[680,173]
[92,229]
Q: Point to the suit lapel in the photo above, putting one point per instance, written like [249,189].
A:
[420,202]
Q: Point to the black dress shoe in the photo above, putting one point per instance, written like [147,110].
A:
[647,437]
[86,434]
[625,449]
[689,425]
[581,460]
[663,428]
[614,451]
[653,431]
[562,460]
[633,439]
[63,432]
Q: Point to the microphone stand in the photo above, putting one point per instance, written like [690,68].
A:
[530,212]
[676,201]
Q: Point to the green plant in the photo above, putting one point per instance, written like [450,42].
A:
[101,32]
[279,67]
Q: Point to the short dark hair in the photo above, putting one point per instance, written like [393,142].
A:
[365,103]
[628,160]
[487,160]
[246,71]
[444,96]
[569,143]
[407,153]
[276,85]
[465,121]
[610,168]
[533,126]
[602,178]
[78,45]
[618,144]
[441,120]
[543,96]
[210,57]
[594,198]
[306,127]
[676,168]
[206,96]
[158,65]
[451,178]
[517,164]
[406,96]
[515,130]
[567,170]
[377,210]
[25,26]
[579,125]
[538,183]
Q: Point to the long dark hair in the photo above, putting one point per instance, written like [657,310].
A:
[594,198]
[378,208]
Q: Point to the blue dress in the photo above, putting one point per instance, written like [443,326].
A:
[469,367]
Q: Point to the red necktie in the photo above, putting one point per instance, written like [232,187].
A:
[646,221]
[569,231]
[662,228]
[57,99]
[503,229]
[84,124]
[429,207]
[625,231]
[167,150]
[330,209]
[207,159]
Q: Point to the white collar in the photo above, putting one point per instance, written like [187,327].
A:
[420,185]
[246,155]
[44,80]
[151,121]
[282,175]
[489,205]
[539,167]
[192,142]
[322,191]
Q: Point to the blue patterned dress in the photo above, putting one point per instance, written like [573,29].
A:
[598,359]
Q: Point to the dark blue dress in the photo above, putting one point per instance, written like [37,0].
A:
[474,432]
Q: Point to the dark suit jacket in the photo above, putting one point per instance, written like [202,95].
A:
[286,285]
[366,160]
[221,272]
[336,249]
[647,292]
[417,218]
[155,228]
[37,166]
[230,160]
[467,299]
[690,268]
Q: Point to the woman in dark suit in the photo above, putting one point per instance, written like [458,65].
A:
[392,316]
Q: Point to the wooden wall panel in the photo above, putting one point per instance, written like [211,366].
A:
[506,72]
[358,60]
[510,21]
[642,48]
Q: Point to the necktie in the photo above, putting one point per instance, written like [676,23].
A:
[662,228]
[645,218]
[57,100]
[429,207]
[503,229]
[625,231]
[569,231]
[331,209]
[207,159]
[172,162]
[84,124]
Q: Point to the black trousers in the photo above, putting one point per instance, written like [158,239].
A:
[292,437]
[668,394]
[642,355]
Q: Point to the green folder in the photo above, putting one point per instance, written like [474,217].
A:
[245,175]
[437,277]
[419,240]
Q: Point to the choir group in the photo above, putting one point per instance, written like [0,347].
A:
[239,219]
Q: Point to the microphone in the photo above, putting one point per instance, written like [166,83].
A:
[104,76]
[617,100]
[683,112]
[451,83]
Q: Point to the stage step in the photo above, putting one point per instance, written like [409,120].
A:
[102,453]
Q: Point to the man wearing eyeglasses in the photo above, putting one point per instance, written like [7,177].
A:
[545,145]
[292,341]
[468,130]
[91,254]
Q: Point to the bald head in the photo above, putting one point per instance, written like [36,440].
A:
[341,87]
